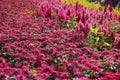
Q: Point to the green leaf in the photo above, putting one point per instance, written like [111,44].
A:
[97,39]
[107,44]
[94,30]
[71,23]
[33,71]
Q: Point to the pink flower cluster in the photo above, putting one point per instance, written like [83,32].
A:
[39,46]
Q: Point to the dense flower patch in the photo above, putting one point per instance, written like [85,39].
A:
[50,40]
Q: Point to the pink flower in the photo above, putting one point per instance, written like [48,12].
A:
[25,68]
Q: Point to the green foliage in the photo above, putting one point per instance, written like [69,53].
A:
[86,73]
[71,23]
[94,30]
[90,0]
[33,71]
[71,74]
[90,73]
[109,68]
[94,40]
[56,61]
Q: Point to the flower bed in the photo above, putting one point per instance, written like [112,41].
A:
[50,40]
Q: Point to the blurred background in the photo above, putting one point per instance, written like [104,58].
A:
[114,3]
